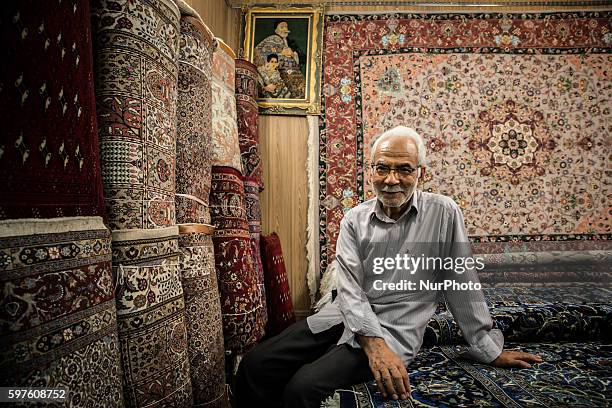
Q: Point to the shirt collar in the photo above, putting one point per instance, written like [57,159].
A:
[378,212]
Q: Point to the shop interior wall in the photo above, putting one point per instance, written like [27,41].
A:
[222,20]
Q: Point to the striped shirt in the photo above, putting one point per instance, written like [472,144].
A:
[374,250]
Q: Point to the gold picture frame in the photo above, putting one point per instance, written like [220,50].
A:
[289,65]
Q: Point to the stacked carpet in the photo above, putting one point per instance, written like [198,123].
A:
[241,296]
[545,263]
[571,312]
[571,375]
[247,115]
[193,181]
[151,318]
[58,319]
[226,149]
[235,265]
[248,137]
[569,326]
[136,51]
[49,160]
[57,313]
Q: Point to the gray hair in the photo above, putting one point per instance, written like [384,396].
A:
[402,131]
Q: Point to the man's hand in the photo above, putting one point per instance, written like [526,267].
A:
[516,359]
[388,369]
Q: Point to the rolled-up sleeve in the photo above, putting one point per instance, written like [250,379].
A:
[356,311]
[469,307]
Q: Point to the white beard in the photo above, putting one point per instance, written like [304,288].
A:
[395,204]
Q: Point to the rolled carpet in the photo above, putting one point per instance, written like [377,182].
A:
[194,135]
[226,149]
[49,154]
[234,261]
[57,313]
[135,51]
[247,113]
[151,318]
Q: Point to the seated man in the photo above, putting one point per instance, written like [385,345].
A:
[372,330]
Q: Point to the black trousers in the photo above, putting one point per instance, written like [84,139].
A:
[299,369]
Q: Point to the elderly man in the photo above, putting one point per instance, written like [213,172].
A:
[373,333]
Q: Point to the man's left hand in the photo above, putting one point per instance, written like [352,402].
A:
[515,359]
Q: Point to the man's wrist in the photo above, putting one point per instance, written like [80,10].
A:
[497,355]
[368,343]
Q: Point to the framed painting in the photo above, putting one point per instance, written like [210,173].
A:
[285,45]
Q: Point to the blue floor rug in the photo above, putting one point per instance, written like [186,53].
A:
[571,375]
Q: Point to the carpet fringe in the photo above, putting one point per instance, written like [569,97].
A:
[312,244]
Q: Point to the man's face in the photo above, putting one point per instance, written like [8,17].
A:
[395,189]
[282,29]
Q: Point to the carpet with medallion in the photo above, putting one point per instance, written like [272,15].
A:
[514,109]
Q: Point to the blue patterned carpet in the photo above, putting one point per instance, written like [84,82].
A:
[570,327]
[571,375]
[525,314]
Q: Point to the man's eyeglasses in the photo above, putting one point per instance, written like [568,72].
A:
[401,171]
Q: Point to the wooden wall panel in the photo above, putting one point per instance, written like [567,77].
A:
[222,20]
[284,201]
